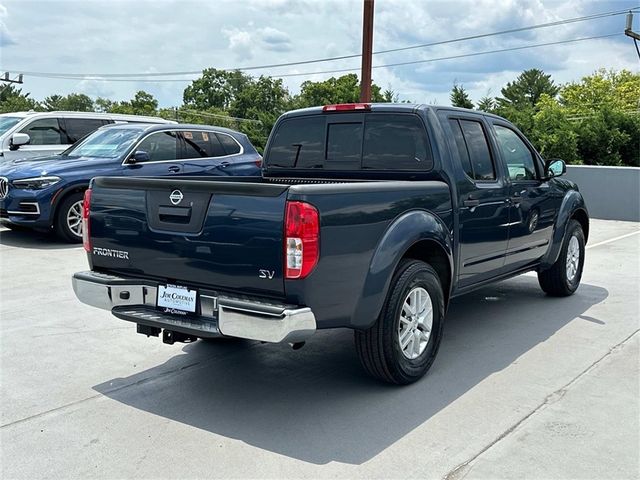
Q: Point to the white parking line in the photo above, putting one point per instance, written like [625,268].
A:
[613,239]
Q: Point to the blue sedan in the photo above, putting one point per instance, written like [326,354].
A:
[46,193]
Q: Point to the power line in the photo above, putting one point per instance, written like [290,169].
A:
[453,57]
[342,57]
[344,70]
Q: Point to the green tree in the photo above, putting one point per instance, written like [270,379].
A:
[74,102]
[344,89]
[265,94]
[605,110]
[104,105]
[459,97]
[143,103]
[519,98]
[260,103]
[601,139]
[553,134]
[487,104]
[390,96]
[215,89]
[527,89]
[13,100]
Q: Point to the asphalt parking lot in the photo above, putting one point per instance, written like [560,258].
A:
[524,386]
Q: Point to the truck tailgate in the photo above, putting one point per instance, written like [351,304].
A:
[222,234]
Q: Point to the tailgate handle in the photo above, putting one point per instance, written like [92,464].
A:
[175,214]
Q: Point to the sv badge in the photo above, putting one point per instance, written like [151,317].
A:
[266,273]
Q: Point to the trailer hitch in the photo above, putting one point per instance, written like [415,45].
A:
[170,337]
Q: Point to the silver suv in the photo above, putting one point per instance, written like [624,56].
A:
[30,134]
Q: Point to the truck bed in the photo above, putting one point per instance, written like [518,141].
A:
[227,235]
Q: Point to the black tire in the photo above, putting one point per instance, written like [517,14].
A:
[379,347]
[555,281]
[61,227]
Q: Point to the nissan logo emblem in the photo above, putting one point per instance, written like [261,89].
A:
[176,197]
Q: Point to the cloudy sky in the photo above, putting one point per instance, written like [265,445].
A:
[136,37]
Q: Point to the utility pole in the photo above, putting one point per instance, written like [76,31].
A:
[5,78]
[628,31]
[367,49]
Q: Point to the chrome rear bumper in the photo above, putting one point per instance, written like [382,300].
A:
[135,300]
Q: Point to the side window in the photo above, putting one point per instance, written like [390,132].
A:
[519,159]
[197,144]
[298,142]
[76,128]
[395,142]
[344,145]
[45,131]
[462,147]
[230,146]
[160,146]
[217,150]
[478,148]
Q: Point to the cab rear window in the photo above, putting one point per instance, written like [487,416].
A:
[299,142]
[373,141]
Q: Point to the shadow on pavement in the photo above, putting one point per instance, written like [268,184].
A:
[33,240]
[317,405]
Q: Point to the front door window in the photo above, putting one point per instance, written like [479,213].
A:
[160,146]
[517,156]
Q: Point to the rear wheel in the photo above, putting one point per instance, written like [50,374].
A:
[563,278]
[401,346]
[68,222]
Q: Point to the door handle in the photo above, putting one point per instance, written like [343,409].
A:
[471,203]
[224,164]
[174,169]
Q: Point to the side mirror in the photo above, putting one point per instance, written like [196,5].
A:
[556,167]
[139,156]
[19,139]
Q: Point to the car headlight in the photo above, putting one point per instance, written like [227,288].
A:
[35,183]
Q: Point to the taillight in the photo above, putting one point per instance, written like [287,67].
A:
[302,239]
[258,161]
[86,233]
[341,107]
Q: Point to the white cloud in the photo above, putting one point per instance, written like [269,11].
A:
[240,42]
[95,88]
[275,39]
[5,37]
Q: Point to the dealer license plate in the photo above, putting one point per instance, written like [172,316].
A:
[176,299]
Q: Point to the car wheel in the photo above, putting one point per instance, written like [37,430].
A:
[68,223]
[401,346]
[563,278]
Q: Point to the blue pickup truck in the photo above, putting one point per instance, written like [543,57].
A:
[370,217]
[45,193]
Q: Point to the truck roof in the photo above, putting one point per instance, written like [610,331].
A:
[387,107]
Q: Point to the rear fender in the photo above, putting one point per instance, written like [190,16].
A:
[407,230]
[571,204]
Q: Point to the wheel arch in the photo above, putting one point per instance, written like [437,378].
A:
[417,234]
[61,197]
[572,208]
[580,214]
